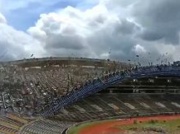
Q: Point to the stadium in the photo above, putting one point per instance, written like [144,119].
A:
[68,95]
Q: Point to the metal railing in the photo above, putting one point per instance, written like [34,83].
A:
[105,82]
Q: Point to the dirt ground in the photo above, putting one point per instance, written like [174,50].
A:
[112,127]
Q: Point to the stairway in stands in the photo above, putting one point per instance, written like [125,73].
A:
[11,123]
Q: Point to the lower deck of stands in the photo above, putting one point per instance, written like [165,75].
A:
[46,126]
[102,106]
[11,123]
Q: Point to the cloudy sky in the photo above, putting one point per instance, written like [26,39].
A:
[115,29]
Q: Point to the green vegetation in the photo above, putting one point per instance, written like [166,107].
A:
[171,126]
[154,125]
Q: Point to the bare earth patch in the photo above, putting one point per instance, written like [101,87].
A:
[140,125]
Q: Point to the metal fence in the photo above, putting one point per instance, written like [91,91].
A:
[106,81]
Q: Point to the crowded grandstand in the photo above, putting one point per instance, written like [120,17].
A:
[49,95]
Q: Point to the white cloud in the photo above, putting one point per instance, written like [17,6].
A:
[169,51]
[79,31]
[88,33]
[139,49]
[16,44]
[2,19]
[105,55]
[99,28]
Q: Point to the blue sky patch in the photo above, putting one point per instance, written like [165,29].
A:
[23,17]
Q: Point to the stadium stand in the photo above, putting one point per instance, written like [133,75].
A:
[101,106]
[11,123]
[104,82]
[69,93]
[47,126]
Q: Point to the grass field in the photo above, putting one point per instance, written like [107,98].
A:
[76,129]
[156,126]
[140,125]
